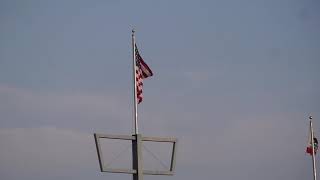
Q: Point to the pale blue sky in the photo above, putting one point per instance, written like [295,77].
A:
[234,80]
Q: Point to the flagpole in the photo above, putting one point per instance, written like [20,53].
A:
[134,84]
[313,151]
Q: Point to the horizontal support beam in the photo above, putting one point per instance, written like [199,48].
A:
[130,137]
[110,136]
[132,171]
[125,171]
[149,172]
[160,139]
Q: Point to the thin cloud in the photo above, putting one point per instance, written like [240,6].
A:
[21,106]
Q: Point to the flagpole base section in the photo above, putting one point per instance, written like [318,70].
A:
[137,161]
[137,157]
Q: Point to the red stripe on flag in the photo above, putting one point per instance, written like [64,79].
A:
[142,71]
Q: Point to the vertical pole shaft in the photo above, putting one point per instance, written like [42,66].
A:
[137,142]
[134,84]
[137,157]
[313,151]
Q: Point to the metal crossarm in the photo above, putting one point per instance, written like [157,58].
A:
[136,154]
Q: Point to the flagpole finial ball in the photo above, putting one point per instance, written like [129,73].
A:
[310,117]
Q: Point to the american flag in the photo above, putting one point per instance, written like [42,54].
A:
[142,71]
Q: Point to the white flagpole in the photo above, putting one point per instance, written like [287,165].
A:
[313,153]
[134,84]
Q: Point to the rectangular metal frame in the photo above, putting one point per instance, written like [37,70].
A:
[103,168]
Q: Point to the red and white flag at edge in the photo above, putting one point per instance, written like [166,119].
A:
[142,72]
[315,145]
